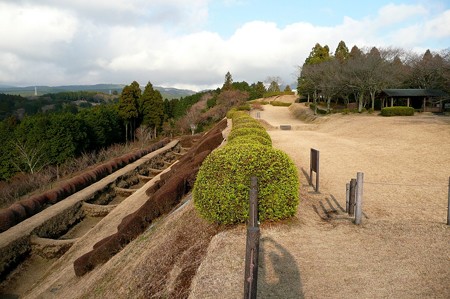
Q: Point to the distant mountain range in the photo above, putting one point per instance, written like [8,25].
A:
[166,92]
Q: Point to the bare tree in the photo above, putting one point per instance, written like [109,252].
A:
[30,157]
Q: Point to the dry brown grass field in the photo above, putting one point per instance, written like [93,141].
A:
[401,250]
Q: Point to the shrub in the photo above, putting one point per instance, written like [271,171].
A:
[397,111]
[244,107]
[231,113]
[251,139]
[221,191]
[247,124]
[319,111]
[281,104]
[248,132]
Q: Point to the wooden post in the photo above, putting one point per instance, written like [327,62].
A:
[252,245]
[359,196]
[392,102]
[448,206]
[407,102]
[347,197]
[253,213]
[314,166]
[317,173]
[351,202]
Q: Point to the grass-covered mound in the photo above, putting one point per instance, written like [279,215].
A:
[397,111]
[221,191]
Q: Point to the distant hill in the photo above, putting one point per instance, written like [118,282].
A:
[166,92]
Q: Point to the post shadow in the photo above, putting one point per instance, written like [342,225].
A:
[288,280]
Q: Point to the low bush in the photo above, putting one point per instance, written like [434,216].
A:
[251,139]
[319,111]
[248,124]
[248,132]
[280,104]
[397,111]
[221,191]
[244,107]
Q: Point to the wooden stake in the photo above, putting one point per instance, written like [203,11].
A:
[347,197]
[448,206]
[252,245]
[359,196]
[351,202]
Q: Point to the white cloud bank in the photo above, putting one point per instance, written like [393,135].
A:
[87,42]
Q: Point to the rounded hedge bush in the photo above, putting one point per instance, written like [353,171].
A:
[397,111]
[251,139]
[248,131]
[240,125]
[221,191]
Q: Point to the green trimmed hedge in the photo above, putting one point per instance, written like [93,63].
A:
[397,111]
[221,190]
[248,124]
[248,132]
[280,104]
[251,139]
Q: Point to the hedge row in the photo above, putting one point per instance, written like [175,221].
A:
[397,111]
[221,191]
[26,208]
[163,197]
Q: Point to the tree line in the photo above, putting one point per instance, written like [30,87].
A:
[41,138]
[359,75]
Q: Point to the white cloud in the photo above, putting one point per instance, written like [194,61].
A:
[397,13]
[34,31]
[85,41]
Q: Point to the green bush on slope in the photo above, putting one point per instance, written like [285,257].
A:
[221,190]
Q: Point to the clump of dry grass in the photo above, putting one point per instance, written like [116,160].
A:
[298,111]
[173,263]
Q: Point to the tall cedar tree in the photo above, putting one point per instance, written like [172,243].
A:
[151,108]
[128,106]
[228,84]
[341,52]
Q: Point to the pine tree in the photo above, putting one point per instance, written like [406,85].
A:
[151,107]
[128,105]
[228,84]
[341,52]
[318,54]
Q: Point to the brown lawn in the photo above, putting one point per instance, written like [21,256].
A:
[401,250]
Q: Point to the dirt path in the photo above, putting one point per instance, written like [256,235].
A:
[400,250]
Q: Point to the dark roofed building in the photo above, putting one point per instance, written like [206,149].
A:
[427,100]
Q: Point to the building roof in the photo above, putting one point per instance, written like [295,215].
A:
[414,93]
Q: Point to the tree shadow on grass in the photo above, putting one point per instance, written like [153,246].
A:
[279,275]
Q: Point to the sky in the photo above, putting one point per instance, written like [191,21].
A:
[193,44]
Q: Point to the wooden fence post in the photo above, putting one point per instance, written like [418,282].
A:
[314,166]
[347,197]
[252,245]
[359,197]
[448,205]
[351,202]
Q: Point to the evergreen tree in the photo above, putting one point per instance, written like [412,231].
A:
[318,54]
[355,52]
[128,105]
[228,84]
[274,87]
[287,89]
[341,52]
[257,90]
[151,107]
